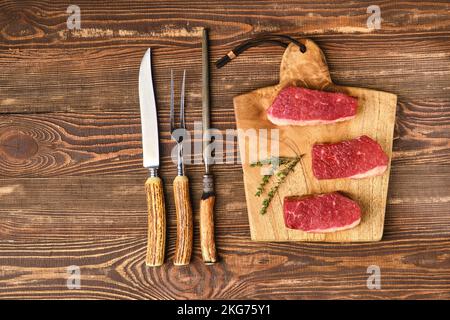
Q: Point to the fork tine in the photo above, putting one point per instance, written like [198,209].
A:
[172,102]
[182,120]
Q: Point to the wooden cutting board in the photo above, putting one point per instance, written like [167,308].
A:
[375,118]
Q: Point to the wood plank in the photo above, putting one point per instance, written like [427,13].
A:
[39,23]
[82,80]
[67,144]
[113,268]
[98,223]
[95,206]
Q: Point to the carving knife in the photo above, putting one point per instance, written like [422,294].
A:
[150,150]
[207,241]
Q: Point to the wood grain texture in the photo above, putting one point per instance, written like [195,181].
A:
[375,118]
[183,208]
[207,230]
[156,231]
[49,229]
[71,181]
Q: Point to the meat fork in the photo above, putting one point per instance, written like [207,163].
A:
[183,248]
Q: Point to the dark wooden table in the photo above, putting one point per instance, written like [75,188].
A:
[71,179]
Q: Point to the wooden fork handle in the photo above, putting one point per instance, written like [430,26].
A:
[183,245]
[156,222]
[207,241]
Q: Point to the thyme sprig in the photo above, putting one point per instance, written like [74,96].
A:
[285,165]
[265,180]
[274,161]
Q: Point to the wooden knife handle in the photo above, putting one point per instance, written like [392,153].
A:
[183,246]
[156,222]
[208,245]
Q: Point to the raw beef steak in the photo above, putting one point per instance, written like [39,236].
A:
[300,106]
[357,158]
[328,212]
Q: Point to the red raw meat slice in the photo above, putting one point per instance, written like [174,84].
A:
[328,212]
[357,158]
[301,106]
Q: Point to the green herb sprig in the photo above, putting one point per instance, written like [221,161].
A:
[272,161]
[285,166]
[265,180]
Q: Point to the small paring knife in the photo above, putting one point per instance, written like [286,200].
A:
[153,186]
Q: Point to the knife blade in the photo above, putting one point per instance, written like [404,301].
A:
[150,151]
[149,119]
